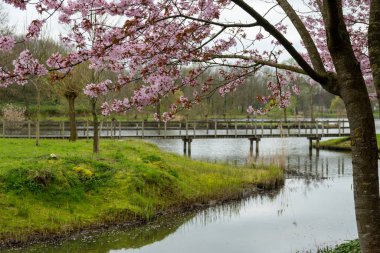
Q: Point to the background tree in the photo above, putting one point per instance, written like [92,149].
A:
[71,87]
[337,106]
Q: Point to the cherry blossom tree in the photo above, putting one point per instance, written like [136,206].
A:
[150,41]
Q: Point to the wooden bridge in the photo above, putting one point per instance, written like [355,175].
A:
[254,130]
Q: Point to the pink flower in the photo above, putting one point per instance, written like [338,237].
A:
[7,43]
[34,29]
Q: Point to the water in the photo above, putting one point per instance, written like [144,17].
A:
[315,208]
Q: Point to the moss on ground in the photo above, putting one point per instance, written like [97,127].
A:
[61,186]
[348,247]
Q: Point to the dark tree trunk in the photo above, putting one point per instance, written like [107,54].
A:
[364,160]
[27,103]
[95,122]
[350,86]
[71,96]
[354,93]
[38,113]
[158,111]
[374,46]
[311,105]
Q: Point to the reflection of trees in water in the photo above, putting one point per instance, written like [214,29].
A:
[316,168]
[132,238]
[304,174]
[299,166]
[227,211]
[135,238]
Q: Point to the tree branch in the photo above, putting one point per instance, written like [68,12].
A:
[224,25]
[262,62]
[322,79]
[305,35]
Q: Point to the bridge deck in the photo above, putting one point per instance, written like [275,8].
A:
[225,129]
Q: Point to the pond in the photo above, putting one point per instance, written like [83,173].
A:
[315,208]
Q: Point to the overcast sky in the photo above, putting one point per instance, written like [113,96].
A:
[21,19]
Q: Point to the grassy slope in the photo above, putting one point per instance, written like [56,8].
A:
[348,247]
[129,180]
[342,143]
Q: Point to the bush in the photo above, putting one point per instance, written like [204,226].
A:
[13,114]
[348,247]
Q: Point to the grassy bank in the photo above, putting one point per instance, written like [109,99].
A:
[348,247]
[61,187]
[342,144]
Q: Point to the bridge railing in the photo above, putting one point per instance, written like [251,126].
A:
[212,128]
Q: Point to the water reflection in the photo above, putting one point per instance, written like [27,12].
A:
[314,208]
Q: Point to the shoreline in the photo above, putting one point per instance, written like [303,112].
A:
[106,226]
[340,144]
[129,184]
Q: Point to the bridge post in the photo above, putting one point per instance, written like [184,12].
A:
[187,128]
[339,127]
[235,129]
[165,126]
[311,127]
[257,146]
[142,129]
[299,128]
[87,131]
[316,129]
[215,128]
[111,129]
[305,128]
[323,129]
[194,127]
[327,126]
[262,129]
[184,145]
[207,127]
[119,129]
[227,128]
[114,128]
[251,146]
[317,144]
[137,129]
[310,144]
[271,127]
[189,146]
[29,129]
[257,140]
[63,129]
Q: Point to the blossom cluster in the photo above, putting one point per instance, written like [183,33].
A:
[154,40]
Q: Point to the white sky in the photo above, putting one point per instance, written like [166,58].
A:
[21,19]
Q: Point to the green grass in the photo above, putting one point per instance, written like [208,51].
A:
[348,247]
[128,181]
[342,143]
